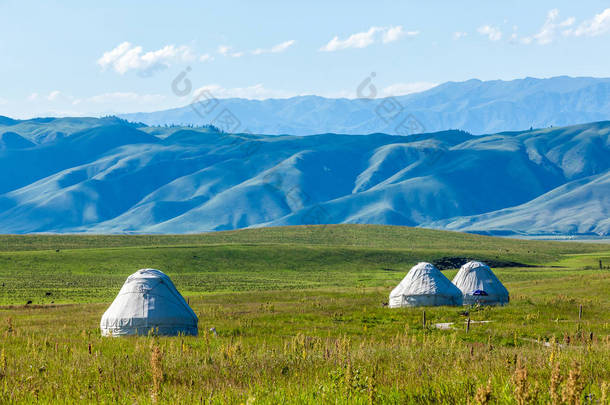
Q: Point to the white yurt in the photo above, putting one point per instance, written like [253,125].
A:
[425,285]
[480,285]
[149,301]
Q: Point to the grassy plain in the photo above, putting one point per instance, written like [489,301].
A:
[299,319]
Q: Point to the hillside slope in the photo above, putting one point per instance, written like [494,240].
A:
[580,206]
[114,177]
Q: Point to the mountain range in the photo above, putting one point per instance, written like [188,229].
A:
[479,107]
[111,176]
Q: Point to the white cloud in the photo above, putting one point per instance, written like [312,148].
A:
[54,95]
[282,46]
[126,57]
[514,37]
[359,40]
[257,92]
[493,33]
[274,49]
[567,22]
[549,29]
[400,89]
[367,38]
[59,103]
[206,57]
[547,32]
[392,34]
[3,101]
[598,25]
[260,92]
[525,40]
[122,97]
[459,35]
[224,50]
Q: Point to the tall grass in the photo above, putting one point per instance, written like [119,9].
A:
[298,321]
[55,354]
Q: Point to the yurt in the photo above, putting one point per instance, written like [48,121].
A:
[149,301]
[425,285]
[480,285]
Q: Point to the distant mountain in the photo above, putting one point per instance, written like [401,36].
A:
[475,106]
[109,176]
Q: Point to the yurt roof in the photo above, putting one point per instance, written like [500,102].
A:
[425,279]
[476,275]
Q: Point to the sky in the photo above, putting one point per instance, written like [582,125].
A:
[72,58]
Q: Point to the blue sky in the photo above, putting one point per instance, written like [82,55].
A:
[70,58]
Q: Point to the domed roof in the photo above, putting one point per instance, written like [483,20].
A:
[425,285]
[149,301]
[480,285]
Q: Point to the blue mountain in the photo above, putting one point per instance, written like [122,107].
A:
[479,107]
[110,176]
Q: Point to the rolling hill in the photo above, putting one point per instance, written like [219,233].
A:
[110,176]
[580,206]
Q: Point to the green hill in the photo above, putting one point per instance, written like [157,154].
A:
[75,268]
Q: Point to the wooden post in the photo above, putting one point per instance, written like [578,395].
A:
[579,312]
[600,264]
[188,300]
[468,325]
[424,319]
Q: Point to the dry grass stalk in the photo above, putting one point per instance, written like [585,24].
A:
[9,326]
[522,389]
[372,388]
[2,364]
[483,395]
[574,386]
[156,366]
[555,383]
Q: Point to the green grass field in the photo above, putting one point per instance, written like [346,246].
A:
[299,319]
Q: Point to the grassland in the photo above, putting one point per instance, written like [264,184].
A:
[299,319]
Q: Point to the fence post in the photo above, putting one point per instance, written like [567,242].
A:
[424,319]
[468,325]
[579,312]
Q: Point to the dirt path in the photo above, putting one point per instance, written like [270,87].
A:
[448,325]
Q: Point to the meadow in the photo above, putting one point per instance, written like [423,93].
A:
[299,318]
